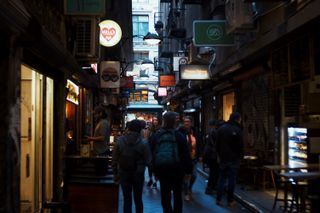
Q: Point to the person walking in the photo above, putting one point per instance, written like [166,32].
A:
[194,148]
[210,157]
[155,125]
[130,157]
[170,162]
[230,153]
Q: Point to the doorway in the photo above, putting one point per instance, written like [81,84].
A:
[36,140]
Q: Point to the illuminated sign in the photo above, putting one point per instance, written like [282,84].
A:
[167,80]
[73,92]
[194,72]
[162,91]
[110,33]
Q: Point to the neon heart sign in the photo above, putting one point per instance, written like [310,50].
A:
[110,33]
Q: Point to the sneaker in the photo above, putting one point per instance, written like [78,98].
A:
[149,184]
[154,185]
[232,203]
[187,197]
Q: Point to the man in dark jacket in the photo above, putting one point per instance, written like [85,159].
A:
[210,157]
[171,177]
[230,153]
[130,157]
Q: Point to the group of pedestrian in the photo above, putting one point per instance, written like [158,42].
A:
[222,153]
[171,152]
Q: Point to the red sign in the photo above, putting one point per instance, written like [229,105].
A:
[167,80]
[126,82]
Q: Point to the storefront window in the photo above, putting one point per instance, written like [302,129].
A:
[228,105]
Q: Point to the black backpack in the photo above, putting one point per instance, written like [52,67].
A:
[166,153]
[129,155]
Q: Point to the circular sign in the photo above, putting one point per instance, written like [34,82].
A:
[110,33]
[183,60]
[214,32]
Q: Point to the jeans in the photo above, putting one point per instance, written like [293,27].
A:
[132,183]
[168,184]
[187,184]
[227,171]
[213,174]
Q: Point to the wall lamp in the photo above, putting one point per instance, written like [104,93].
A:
[152,39]
[138,62]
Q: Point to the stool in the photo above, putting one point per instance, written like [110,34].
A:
[282,184]
[299,193]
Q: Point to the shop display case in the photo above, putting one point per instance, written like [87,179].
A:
[297,146]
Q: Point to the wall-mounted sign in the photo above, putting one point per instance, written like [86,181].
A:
[73,92]
[194,72]
[110,33]
[162,91]
[211,33]
[110,74]
[167,80]
[177,61]
[84,7]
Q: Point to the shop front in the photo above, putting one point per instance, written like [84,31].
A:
[36,139]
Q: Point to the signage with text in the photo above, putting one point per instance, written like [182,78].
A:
[167,80]
[211,33]
[194,72]
[110,33]
[73,92]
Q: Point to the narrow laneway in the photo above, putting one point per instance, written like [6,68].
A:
[201,203]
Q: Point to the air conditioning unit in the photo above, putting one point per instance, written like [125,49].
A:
[239,16]
[86,37]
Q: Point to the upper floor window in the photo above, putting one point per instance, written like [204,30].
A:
[140,26]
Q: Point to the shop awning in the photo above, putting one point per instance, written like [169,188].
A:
[145,108]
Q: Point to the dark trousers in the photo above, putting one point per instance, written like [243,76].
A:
[168,184]
[228,171]
[213,174]
[132,184]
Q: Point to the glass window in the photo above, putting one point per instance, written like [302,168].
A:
[140,26]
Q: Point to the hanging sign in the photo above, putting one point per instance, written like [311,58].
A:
[167,80]
[110,74]
[211,33]
[110,33]
[194,72]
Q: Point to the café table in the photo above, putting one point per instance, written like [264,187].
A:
[276,169]
[298,183]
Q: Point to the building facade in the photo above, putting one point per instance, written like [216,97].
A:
[268,74]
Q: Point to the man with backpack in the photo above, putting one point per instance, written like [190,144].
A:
[130,157]
[171,162]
